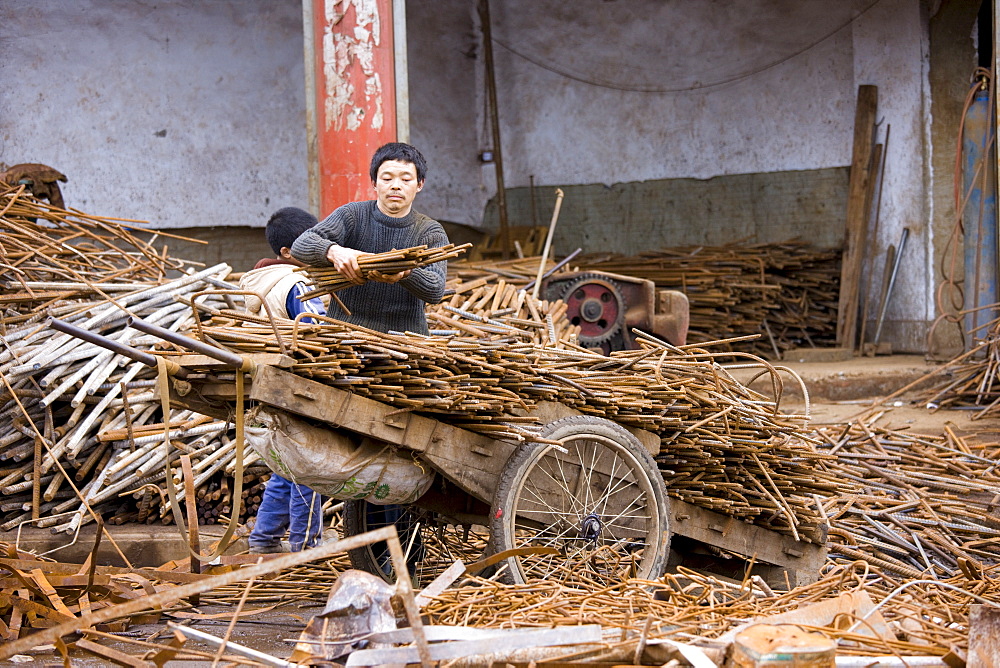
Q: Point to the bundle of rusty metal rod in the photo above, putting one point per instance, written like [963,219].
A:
[725,447]
[785,292]
[328,280]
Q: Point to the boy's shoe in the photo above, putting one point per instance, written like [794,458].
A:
[268,549]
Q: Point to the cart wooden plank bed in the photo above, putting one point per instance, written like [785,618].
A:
[495,483]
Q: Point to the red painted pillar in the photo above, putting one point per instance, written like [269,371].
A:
[355,95]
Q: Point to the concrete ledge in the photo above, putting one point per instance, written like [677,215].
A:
[804,355]
[844,380]
[144,545]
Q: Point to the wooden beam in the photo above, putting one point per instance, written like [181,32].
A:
[857,215]
[802,560]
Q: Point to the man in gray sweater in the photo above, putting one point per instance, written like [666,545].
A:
[384,302]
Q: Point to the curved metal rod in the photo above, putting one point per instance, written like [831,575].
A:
[796,376]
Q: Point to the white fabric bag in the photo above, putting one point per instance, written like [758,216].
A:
[332,463]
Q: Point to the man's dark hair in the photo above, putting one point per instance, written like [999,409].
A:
[285,226]
[403,153]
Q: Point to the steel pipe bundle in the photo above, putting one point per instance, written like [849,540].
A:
[82,417]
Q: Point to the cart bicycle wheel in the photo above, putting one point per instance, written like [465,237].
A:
[431,541]
[602,505]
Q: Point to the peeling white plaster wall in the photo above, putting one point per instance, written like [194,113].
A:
[180,112]
[891,51]
[445,108]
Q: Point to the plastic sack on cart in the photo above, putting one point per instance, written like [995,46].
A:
[334,464]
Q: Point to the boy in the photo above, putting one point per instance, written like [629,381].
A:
[286,505]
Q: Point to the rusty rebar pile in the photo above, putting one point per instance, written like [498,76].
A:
[725,447]
[49,255]
[483,307]
[968,381]
[916,505]
[929,620]
[81,417]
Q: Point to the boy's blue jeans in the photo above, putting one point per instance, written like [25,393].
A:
[291,507]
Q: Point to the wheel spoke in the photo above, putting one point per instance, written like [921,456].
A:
[560,482]
[539,534]
[613,487]
[611,522]
[574,501]
[544,506]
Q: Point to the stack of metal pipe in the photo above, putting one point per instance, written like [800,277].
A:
[85,424]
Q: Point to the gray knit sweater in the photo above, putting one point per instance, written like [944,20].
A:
[379,306]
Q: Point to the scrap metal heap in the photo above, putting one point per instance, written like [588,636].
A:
[723,446]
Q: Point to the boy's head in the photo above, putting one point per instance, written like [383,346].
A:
[285,226]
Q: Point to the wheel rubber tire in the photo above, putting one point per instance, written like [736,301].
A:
[360,516]
[440,541]
[599,518]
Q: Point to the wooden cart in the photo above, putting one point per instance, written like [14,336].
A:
[596,508]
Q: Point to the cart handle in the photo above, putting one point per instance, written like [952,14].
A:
[225,356]
[117,347]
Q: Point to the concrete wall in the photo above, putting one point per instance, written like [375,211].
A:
[610,92]
[445,108]
[603,96]
[180,112]
[638,216]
